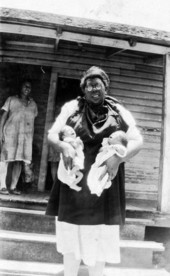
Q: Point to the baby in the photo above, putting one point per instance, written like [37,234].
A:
[73,176]
[113,146]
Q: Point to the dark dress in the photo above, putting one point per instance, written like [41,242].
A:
[83,208]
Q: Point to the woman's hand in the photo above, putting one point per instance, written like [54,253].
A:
[1,139]
[111,167]
[68,153]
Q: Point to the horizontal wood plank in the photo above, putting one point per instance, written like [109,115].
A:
[116,43]
[82,38]
[140,95]
[141,187]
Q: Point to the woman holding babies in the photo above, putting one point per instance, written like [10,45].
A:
[87,224]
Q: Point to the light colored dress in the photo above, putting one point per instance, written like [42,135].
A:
[18,130]
[89,243]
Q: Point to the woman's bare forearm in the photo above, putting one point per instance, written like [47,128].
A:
[2,122]
[133,147]
[55,142]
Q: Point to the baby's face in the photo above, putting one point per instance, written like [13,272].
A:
[69,132]
[113,140]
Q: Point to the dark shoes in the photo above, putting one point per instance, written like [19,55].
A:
[15,192]
[4,191]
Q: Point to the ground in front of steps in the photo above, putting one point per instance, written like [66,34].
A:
[14,268]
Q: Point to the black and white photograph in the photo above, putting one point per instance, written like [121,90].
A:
[84,138]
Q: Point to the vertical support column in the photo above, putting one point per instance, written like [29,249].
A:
[164,191]
[48,121]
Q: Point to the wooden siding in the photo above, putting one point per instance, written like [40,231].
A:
[136,82]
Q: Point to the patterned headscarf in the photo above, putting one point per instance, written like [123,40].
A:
[93,72]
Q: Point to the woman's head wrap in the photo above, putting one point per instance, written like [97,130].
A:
[93,72]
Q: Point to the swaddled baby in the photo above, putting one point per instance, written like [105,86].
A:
[113,146]
[72,177]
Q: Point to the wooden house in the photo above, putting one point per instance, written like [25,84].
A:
[54,50]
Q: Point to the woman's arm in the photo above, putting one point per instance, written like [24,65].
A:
[2,123]
[135,143]
[133,147]
[66,149]
[5,109]
[68,152]
[134,137]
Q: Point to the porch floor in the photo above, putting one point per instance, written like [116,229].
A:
[41,198]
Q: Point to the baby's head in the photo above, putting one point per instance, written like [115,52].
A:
[66,132]
[118,137]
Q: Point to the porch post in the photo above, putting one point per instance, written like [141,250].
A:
[48,121]
[164,193]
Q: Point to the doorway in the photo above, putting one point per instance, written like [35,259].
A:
[67,89]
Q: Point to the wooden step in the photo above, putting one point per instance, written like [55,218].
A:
[134,229]
[135,209]
[38,201]
[25,220]
[33,201]
[20,268]
[42,248]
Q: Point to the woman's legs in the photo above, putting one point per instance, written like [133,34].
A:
[54,168]
[3,174]
[16,171]
[71,265]
[96,270]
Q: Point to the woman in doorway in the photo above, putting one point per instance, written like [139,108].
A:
[87,226]
[16,136]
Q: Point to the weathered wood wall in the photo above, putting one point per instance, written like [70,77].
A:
[135,80]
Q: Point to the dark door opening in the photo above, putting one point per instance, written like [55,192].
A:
[67,89]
